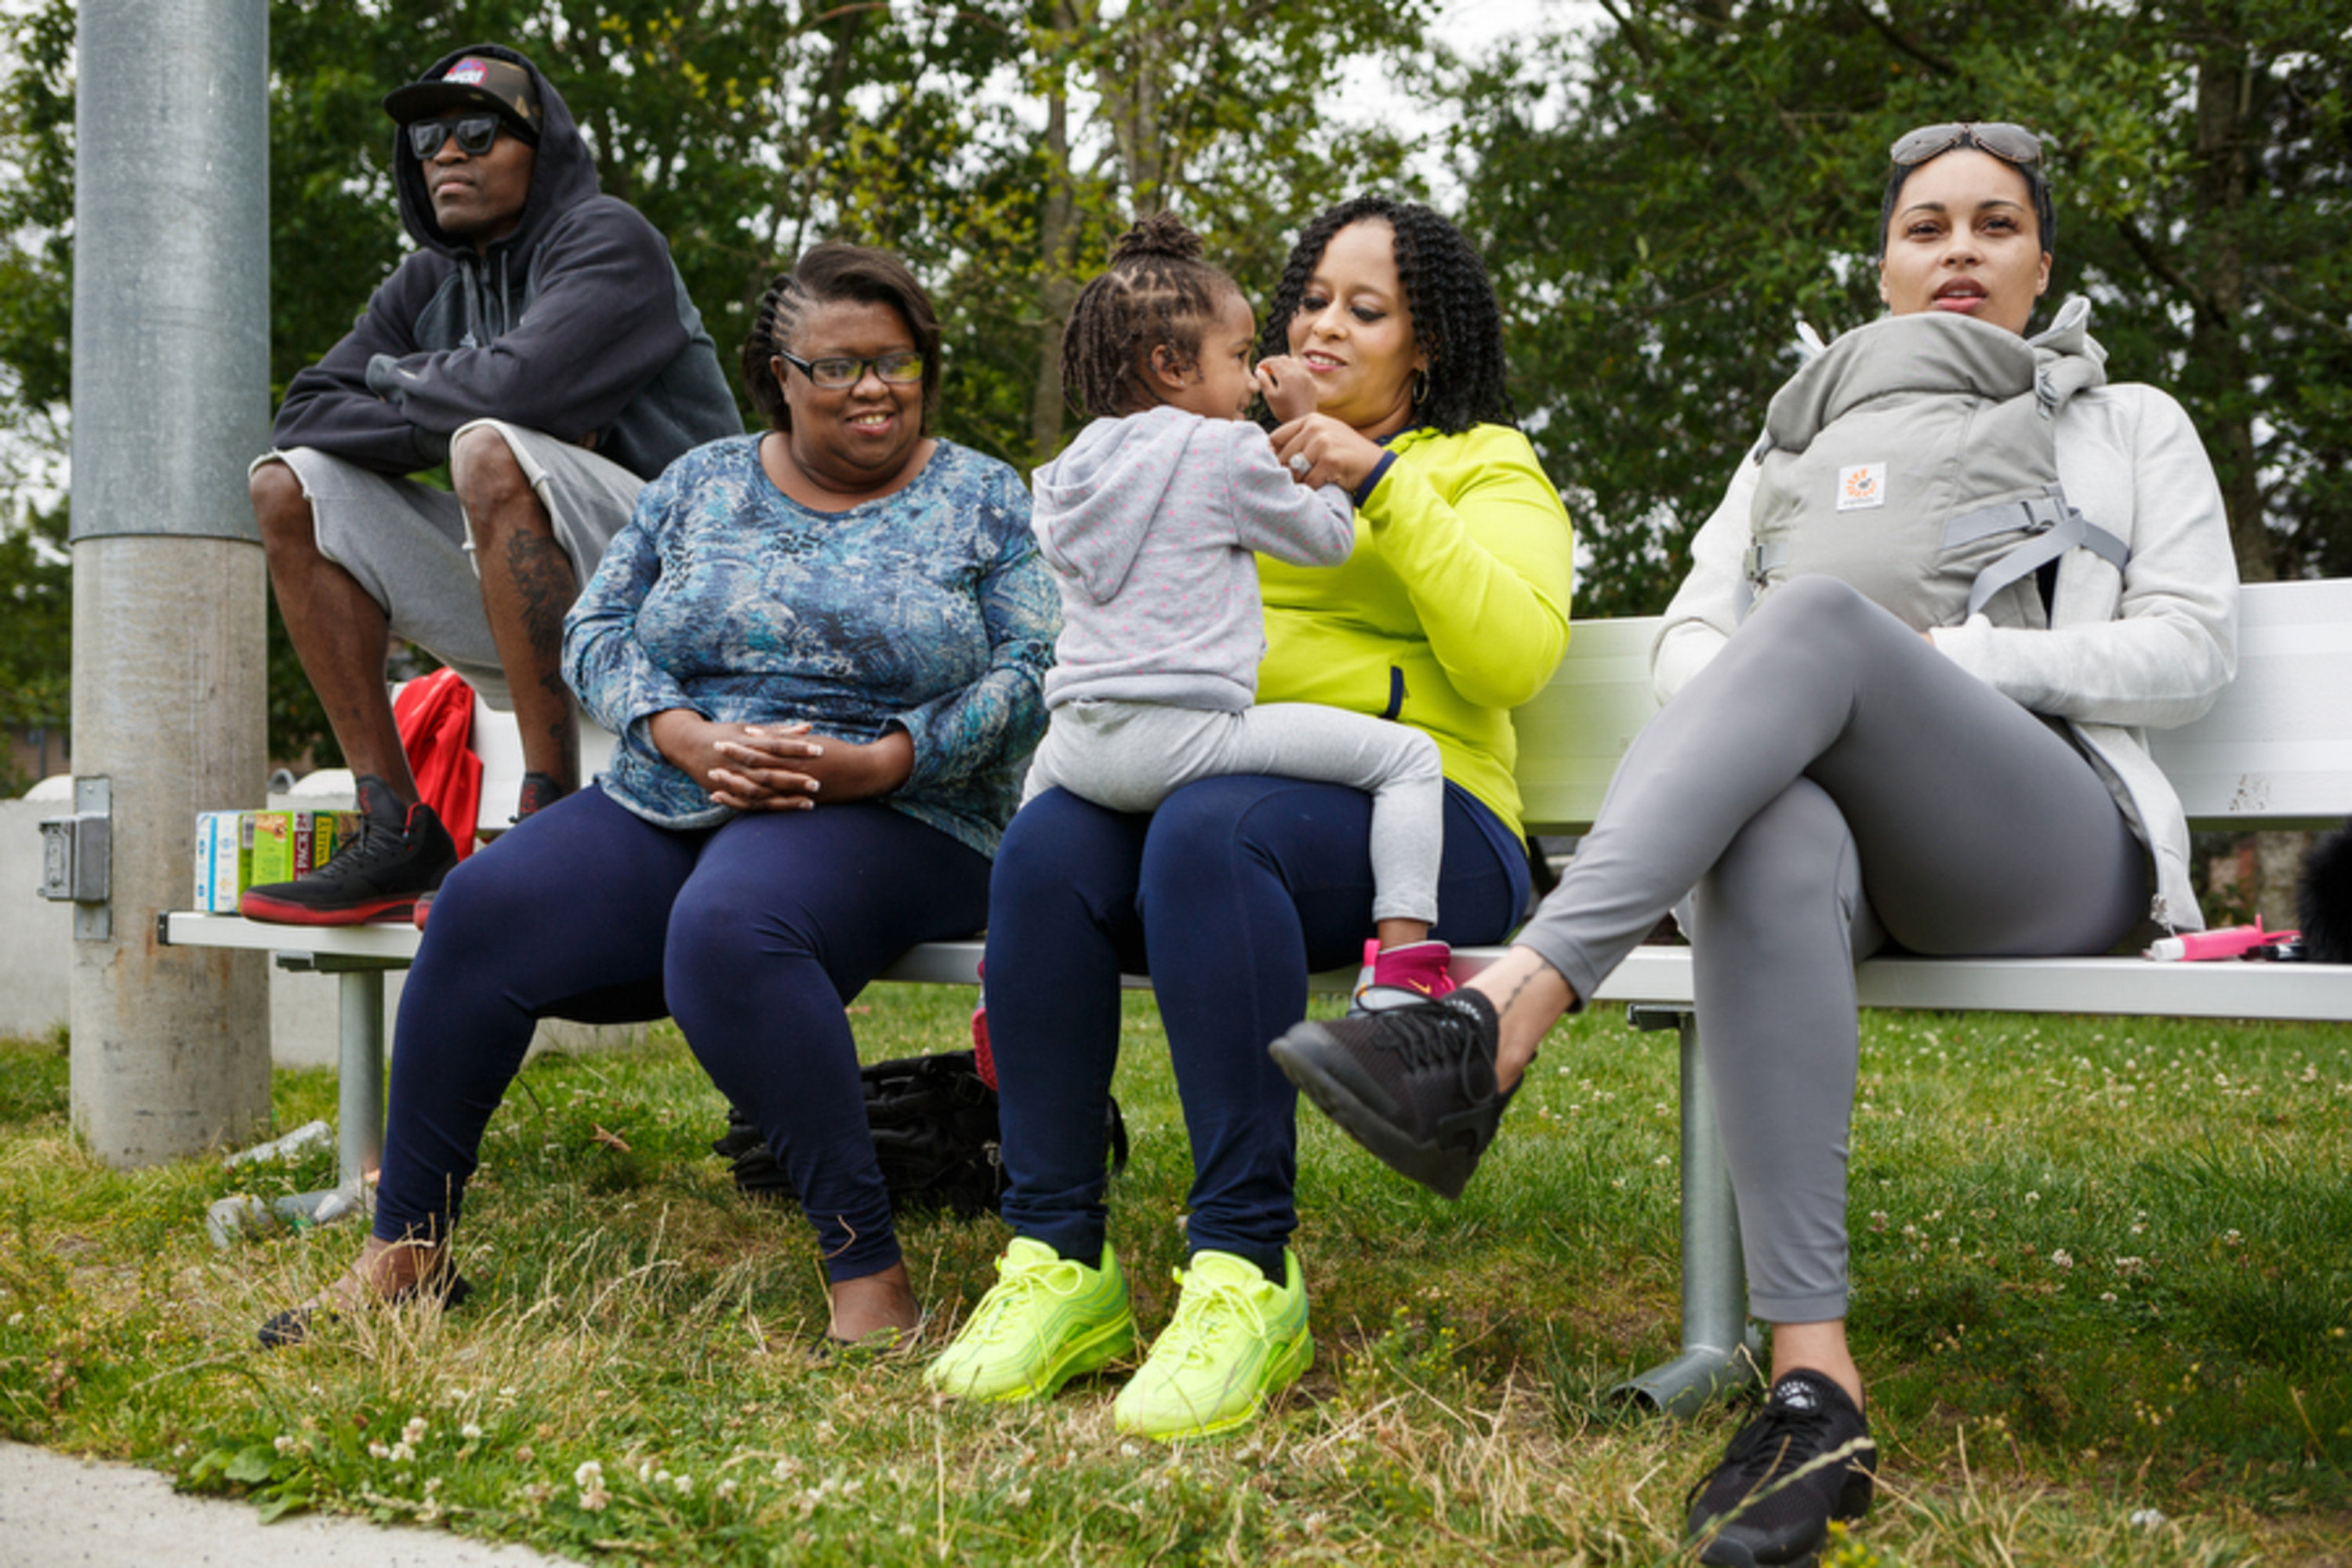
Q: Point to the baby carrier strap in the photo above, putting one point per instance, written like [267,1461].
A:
[2054,527]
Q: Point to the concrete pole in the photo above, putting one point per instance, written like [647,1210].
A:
[171,394]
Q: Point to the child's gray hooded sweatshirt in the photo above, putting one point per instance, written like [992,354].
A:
[1149,522]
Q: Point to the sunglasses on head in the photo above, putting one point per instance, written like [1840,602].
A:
[475,134]
[2009,143]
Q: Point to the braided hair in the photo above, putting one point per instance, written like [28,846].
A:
[1157,293]
[1456,324]
[828,274]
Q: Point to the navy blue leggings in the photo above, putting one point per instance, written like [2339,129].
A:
[1228,896]
[753,935]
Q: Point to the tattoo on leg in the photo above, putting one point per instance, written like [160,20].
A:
[1512,1000]
[553,684]
[544,582]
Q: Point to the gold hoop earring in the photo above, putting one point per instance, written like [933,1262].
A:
[1420,387]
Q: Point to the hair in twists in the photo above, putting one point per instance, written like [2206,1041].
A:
[1455,321]
[829,274]
[1157,293]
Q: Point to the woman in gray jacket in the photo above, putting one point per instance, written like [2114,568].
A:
[1828,780]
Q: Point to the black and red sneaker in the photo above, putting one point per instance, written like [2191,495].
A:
[539,792]
[400,852]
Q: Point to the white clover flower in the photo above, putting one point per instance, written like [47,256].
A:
[378,1451]
[282,1443]
[470,1432]
[595,1499]
[2146,1518]
[2033,1197]
[415,1431]
[589,1474]
[729,1487]
[2062,1259]
[402,1453]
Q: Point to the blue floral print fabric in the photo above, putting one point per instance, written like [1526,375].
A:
[928,610]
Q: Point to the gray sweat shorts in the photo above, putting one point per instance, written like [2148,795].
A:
[410,548]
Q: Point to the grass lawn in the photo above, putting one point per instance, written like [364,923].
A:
[2103,1274]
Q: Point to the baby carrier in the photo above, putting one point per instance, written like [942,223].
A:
[1913,458]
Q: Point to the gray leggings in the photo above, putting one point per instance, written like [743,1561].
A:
[1829,784]
[1131,756]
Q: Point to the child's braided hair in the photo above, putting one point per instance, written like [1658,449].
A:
[1157,293]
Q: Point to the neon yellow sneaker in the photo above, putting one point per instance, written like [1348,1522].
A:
[1044,1322]
[1237,1338]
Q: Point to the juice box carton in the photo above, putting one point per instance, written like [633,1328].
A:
[273,847]
[224,860]
[290,844]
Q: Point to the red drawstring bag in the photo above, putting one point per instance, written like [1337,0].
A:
[436,717]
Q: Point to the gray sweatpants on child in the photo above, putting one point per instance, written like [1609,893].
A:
[1131,756]
[1827,783]
[410,548]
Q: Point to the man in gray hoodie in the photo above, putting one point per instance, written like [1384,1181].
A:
[540,342]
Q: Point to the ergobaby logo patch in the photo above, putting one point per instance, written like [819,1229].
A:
[1861,485]
[469,72]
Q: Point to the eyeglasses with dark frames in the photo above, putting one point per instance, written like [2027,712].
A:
[834,373]
[474,134]
[2009,143]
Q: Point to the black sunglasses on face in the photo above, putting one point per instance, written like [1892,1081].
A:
[475,134]
[2009,143]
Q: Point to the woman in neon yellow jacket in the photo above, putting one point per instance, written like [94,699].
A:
[1451,609]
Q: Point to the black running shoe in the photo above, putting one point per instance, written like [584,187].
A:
[1414,1085]
[1807,1458]
[399,852]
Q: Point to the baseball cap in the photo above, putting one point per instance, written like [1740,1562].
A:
[473,82]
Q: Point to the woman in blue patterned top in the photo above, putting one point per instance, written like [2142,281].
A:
[822,648]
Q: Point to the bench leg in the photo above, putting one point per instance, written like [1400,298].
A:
[358,1075]
[1720,1348]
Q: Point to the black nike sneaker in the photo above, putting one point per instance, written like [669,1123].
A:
[1414,1085]
[1806,1458]
[400,852]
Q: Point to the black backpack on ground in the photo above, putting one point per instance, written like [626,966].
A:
[935,1134]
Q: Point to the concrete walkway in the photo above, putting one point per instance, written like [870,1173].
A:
[62,1512]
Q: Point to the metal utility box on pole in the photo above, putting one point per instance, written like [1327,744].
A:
[170,401]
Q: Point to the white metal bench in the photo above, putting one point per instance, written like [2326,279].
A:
[2274,752]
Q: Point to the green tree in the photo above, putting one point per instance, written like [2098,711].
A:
[1663,197]
[35,631]
[999,145]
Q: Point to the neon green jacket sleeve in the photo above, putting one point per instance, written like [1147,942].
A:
[1452,610]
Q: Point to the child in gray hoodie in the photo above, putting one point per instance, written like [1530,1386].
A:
[1149,520]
